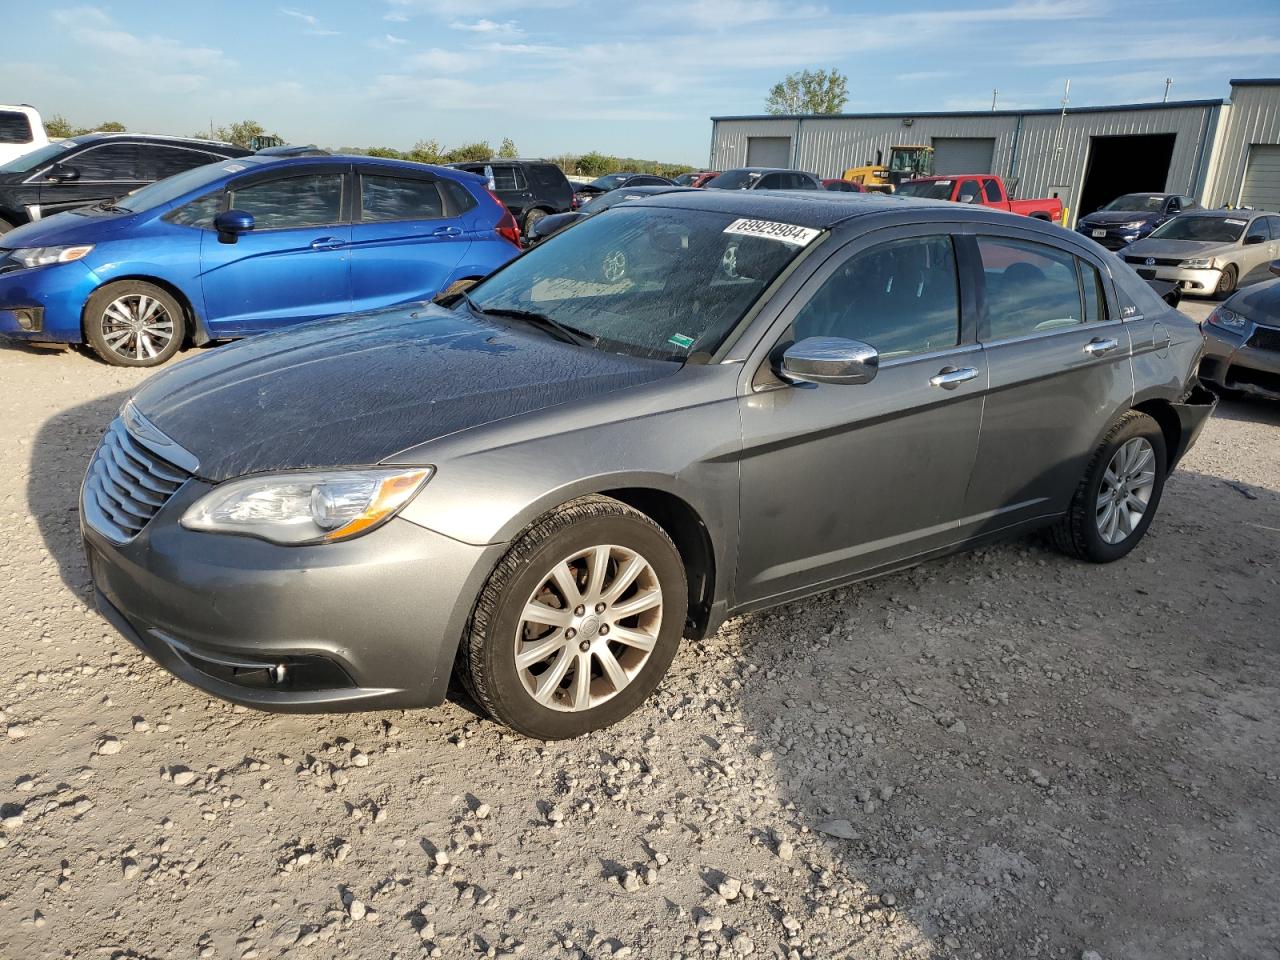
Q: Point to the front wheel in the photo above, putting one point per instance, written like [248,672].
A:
[134,324]
[531,219]
[1119,493]
[578,623]
[1226,283]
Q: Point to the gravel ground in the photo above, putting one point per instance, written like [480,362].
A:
[1002,754]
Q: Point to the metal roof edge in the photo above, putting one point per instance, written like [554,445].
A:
[930,114]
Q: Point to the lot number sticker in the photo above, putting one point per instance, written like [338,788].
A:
[785,232]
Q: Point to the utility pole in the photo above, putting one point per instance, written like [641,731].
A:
[1168,82]
[994,95]
[1062,118]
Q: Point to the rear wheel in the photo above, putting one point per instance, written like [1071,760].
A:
[531,218]
[578,623]
[1119,493]
[1226,283]
[134,324]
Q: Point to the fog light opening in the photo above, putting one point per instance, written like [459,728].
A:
[278,673]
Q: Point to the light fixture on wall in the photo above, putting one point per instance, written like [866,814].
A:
[907,121]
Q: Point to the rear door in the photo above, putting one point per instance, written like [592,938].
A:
[1060,362]
[294,265]
[1258,251]
[101,171]
[407,238]
[839,480]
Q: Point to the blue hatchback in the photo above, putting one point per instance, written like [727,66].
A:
[246,246]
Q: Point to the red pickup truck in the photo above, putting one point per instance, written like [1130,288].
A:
[986,189]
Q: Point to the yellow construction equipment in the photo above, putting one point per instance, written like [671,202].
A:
[905,163]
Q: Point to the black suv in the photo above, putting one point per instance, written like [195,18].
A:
[531,189]
[96,168]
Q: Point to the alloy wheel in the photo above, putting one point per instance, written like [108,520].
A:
[1127,485]
[588,628]
[137,327]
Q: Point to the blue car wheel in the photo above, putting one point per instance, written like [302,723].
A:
[134,324]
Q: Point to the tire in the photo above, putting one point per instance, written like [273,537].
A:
[1226,283]
[568,539]
[111,310]
[530,218]
[1085,532]
[5,226]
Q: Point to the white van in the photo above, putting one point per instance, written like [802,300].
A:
[21,131]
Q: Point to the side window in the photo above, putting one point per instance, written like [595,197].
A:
[198,213]
[770,181]
[802,181]
[991,190]
[1095,300]
[14,127]
[395,198]
[161,162]
[508,178]
[901,297]
[1274,224]
[460,199]
[110,161]
[1257,231]
[1189,203]
[1031,287]
[293,201]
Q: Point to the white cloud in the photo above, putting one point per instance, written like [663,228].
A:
[177,66]
[508,28]
[312,22]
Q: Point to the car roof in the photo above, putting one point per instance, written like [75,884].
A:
[159,137]
[1224,214]
[821,209]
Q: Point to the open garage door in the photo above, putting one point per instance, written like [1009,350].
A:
[1261,188]
[1130,163]
[769,152]
[963,154]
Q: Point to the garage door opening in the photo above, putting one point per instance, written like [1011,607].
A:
[954,155]
[1125,164]
[769,152]
[1261,189]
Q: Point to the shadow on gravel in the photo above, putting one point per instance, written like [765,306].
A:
[59,457]
[1249,410]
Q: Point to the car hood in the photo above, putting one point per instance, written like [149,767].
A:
[73,226]
[1175,249]
[1260,303]
[1107,217]
[356,390]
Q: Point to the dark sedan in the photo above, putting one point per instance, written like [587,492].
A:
[764,178]
[686,408]
[1132,216]
[1242,341]
[554,224]
[586,192]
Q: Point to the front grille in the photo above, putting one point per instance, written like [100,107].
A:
[1265,338]
[1159,261]
[126,485]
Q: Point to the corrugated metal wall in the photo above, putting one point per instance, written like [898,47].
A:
[1254,118]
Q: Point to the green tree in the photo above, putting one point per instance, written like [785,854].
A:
[469,152]
[110,126]
[241,133]
[595,164]
[389,152]
[427,151]
[810,91]
[59,127]
[508,148]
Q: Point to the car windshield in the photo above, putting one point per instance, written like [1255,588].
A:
[733,180]
[36,158]
[611,181]
[652,282]
[928,189]
[1146,202]
[1210,229]
[166,191]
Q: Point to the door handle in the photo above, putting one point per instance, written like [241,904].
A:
[327,243]
[948,378]
[447,232]
[1101,346]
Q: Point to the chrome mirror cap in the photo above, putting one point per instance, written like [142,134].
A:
[829,360]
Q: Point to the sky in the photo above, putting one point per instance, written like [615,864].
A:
[631,79]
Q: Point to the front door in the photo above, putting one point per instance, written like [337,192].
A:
[294,265]
[839,480]
[1060,362]
[101,172]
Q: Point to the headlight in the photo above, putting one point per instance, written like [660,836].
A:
[43,256]
[298,508]
[1228,320]
[1198,263]
[1135,225]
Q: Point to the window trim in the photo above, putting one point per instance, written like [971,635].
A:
[446,201]
[293,173]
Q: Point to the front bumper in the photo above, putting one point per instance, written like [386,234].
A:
[58,292]
[1113,238]
[1189,281]
[1235,362]
[368,623]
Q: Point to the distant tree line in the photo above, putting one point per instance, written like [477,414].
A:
[244,132]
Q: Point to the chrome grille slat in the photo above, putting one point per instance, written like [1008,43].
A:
[127,484]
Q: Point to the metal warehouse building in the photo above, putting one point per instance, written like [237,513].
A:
[1218,151]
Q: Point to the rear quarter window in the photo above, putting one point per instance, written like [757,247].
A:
[15,127]
[1133,294]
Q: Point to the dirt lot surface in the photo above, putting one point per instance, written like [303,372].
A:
[1004,754]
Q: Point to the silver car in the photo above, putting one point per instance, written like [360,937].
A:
[1209,251]
[686,408]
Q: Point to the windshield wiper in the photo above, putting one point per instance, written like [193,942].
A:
[561,331]
[108,207]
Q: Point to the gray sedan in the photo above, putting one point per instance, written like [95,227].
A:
[1209,251]
[685,408]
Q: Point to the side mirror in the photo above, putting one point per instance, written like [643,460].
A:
[231,223]
[829,360]
[968,198]
[62,174]
[1254,238]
